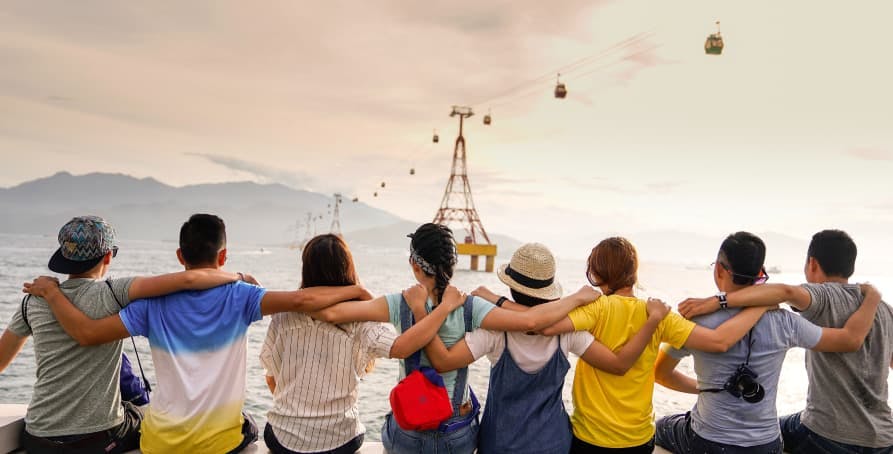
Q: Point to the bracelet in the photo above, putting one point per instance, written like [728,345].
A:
[501,300]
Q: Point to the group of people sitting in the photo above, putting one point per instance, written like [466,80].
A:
[325,336]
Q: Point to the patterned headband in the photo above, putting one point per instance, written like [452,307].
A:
[429,269]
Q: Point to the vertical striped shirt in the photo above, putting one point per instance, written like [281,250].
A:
[317,367]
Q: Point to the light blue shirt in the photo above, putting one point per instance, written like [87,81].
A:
[723,418]
[452,330]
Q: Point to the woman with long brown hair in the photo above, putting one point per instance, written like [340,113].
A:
[313,368]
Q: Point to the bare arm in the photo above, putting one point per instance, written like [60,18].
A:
[271,383]
[310,299]
[425,328]
[601,357]
[722,338]
[665,373]
[755,295]
[373,310]
[81,328]
[493,298]
[198,279]
[539,317]
[564,325]
[441,359]
[10,346]
[852,335]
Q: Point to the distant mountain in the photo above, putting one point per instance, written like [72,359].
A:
[150,210]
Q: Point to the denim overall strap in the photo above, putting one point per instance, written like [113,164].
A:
[525,412]
[462,374]
[413,361]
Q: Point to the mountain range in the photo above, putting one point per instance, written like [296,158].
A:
[146,209]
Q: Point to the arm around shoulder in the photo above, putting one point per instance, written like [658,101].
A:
[852,335]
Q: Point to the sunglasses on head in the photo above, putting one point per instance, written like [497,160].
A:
[760,278]
[114,251]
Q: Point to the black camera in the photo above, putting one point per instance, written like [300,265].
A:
[743,384]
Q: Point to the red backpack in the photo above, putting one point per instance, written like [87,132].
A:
[420,401]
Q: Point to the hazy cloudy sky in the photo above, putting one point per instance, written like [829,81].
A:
[790,130]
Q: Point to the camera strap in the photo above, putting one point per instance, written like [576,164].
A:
[746,362]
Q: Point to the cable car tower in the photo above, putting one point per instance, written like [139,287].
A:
[458,205]
[336,216]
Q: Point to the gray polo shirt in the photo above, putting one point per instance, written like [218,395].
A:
[723,418]
[77,389]
[847,397]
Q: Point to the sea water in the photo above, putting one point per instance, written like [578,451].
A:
[382,270]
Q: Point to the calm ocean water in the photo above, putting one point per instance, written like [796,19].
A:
[382,271]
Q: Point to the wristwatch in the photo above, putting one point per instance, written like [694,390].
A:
[501,300]
[723,301]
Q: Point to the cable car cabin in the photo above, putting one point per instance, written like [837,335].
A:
[487,119]
[374,194]
[356,199]
[714,44]
[382,184]
[560,90]
[435,139]
[412,171]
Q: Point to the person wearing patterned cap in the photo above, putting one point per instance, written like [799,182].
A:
[76,402]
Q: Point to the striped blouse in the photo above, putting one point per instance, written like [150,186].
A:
[317,367]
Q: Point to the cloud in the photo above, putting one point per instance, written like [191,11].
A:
[870,154]
[263,173]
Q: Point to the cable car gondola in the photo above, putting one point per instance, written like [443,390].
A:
[487,118]
[713,45]
[356,199]
[382,184]
[560,88]
[375,194]
[412,171]
[436,138]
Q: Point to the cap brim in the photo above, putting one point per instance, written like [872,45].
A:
[549,293]
[60,264]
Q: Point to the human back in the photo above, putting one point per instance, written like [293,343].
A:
[847,398]
[610,410]
[52,411]
[721,417]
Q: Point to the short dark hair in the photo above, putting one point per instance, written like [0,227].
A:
[326,261]
[835,251]
[526,300]
[201,238]
[745,253]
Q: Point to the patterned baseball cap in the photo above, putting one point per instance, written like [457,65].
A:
[83,242]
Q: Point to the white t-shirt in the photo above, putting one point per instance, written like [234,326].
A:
[530,351]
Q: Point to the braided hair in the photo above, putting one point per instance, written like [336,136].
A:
[434,251]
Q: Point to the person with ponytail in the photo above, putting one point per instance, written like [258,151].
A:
[314,368]
[432,259]
[614,413]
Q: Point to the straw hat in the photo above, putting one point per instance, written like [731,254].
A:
[531,272]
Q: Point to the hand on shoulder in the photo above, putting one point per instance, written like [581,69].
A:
[587,295]
[453,298]
[693,307]
[656,308]
[42,286]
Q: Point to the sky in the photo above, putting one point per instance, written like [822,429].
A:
[788,131]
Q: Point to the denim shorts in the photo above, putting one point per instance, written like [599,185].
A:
[398,441]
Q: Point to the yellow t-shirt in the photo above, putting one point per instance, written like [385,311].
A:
[615,411]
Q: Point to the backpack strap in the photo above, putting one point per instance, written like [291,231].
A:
[462,374]
[25,312]
[414,360]
[135,351]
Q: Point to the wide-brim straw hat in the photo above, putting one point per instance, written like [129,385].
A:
[531,272]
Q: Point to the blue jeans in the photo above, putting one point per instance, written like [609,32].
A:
[674,433]
[800,440]
[398,441]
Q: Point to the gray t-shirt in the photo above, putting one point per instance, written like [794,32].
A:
[723,418]
[77,390]
[847,397]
